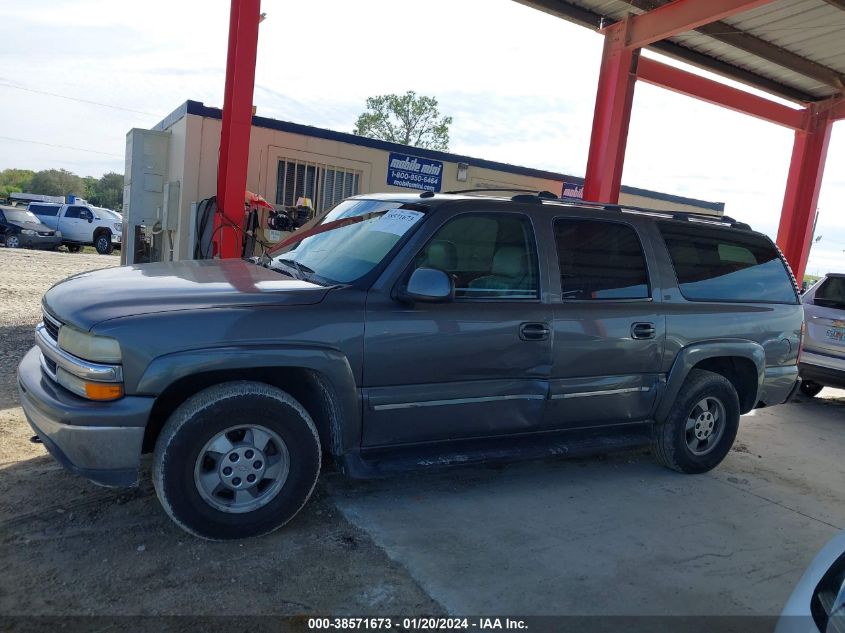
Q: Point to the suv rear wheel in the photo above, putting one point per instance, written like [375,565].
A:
[810,389]
[702,425]
[238,459]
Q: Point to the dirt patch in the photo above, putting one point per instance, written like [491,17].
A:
[71,548]
[24,277]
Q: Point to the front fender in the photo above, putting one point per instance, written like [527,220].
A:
[331,366]
[690,356]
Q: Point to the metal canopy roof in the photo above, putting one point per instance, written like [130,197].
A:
[794,49]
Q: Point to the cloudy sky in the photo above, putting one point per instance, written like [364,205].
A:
[519,84]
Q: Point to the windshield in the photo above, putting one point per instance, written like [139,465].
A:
[20,216]
[348,242]
[108,214]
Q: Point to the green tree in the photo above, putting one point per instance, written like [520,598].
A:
[408,119]
[14,180]
[90,184]
[57,182]
[110,191]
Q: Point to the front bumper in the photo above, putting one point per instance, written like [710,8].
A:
[98,440]
[116,238]
[40,241]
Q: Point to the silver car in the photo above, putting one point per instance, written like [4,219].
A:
[818,602]
[823,358]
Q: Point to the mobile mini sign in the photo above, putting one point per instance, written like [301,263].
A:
[412,172]
[572,190]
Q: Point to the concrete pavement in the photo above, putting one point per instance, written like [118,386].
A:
[621,535]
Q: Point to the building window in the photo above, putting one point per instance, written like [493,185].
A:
[325,185]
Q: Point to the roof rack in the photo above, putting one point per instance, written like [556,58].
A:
[533,195]
[547,195]
[676,215]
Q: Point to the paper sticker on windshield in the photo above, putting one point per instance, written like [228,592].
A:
[397,221]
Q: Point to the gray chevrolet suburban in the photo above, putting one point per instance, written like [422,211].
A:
[405,331]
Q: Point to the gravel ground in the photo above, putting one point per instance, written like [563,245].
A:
[71,548]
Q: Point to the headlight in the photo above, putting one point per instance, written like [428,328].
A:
[102,391]
[27,232]
[118,226]
[99,349]
[58,233]
[828,602]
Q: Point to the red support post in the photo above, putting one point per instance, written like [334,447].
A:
[802,187]
[690,84]
[237,123]
[837,112]
[612,116]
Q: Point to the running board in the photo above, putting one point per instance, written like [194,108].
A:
[385,461]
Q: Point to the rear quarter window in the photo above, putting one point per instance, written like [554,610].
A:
[722,264]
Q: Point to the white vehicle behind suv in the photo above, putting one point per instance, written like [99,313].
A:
[823,358]
[81,224]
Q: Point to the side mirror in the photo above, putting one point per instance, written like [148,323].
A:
[429,284]
[90,220]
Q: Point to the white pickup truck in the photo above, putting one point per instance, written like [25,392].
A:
[81,225]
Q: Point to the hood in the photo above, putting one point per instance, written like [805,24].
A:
[33,226]
[90,298]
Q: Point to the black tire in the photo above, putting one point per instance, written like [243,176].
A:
[102,243]
[810,389]
[73,248]
[205,416]
[13,241]
[671,445]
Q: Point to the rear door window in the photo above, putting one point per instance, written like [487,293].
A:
[722,264]
[600,260]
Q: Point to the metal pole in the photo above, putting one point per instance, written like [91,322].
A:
[237,122]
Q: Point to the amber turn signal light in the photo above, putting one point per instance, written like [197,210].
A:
[103,391]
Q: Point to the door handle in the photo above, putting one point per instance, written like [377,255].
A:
[643,330]
[534,331]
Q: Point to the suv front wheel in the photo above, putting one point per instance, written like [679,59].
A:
[102,243]
[702,425]
[235,460]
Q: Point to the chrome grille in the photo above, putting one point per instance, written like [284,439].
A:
[51,365]
[52,326]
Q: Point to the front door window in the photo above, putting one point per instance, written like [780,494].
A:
[489,257]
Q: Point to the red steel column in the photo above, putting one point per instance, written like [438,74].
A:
[802,187]
[237,122]
[614,98]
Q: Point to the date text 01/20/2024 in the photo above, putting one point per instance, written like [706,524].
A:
[417,624]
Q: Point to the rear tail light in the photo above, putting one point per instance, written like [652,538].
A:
[801,340]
